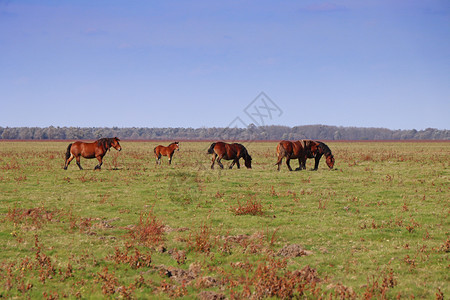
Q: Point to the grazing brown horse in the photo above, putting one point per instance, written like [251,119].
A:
[322,149]
[295,150]
[233,152]
[96,149]
[166,151]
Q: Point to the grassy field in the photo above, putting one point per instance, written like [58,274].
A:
[377,226]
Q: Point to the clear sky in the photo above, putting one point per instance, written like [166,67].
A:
[145,63]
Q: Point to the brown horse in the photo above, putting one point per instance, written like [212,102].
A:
[233,152]
[322,149]
[96,149]
[166,151]
[295,150]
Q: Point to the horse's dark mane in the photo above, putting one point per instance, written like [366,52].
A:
[105,142]
[246,155]
[103,139]
[326,151]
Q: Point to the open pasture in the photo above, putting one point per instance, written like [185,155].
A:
[377,226]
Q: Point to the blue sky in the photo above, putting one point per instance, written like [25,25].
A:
[201,63]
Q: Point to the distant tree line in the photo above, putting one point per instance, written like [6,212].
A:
[252,132]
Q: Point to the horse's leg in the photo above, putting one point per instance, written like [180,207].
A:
[232,164]
[218,161]
[316,162]
[170,159]
[78,162]
[288,159]
[213,160]
[67,162]
[238,164]
[100,162]
[301,164]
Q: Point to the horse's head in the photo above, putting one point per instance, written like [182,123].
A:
[177,146]
[115,143]
[248,161]
[330,161]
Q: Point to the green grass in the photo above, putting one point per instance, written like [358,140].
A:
[375,226]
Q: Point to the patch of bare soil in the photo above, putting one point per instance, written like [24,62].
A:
[191,276]
[170,229]
[293,250]
[208,295]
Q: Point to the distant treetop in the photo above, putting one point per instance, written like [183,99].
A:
[273,132]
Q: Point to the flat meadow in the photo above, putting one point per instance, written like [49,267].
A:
[376,226]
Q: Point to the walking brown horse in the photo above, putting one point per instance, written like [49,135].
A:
[235,151]
[295,150]
[96,149]
[166,151]
[322,149]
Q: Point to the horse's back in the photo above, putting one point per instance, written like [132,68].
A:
[162,150]
[293,149]
[227,151]
[87,150]
[77,144]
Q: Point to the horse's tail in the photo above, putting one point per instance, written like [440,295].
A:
[68,151]
[281,152]
[211,149]
[157,152]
